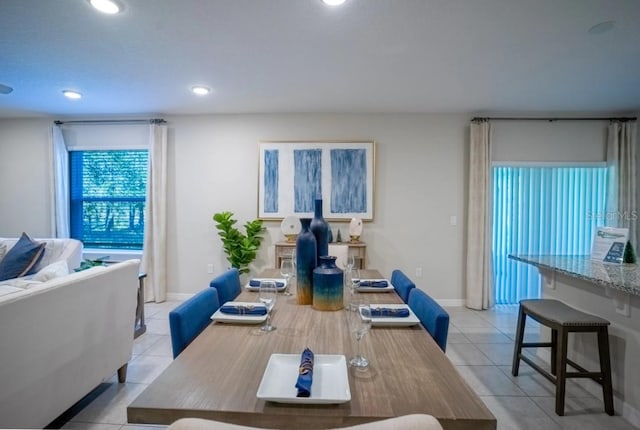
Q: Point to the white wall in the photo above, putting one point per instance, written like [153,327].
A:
[421,181]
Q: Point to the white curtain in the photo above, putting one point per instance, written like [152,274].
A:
[621,163]
[154,254]
[60,183]
[479,271]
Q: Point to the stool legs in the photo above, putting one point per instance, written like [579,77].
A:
[561,368]
[518,343]
[605,368]
[554,350]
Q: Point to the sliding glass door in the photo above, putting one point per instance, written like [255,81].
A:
[542,210]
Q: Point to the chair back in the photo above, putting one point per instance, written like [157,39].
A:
[402,284]
[432,316]
[189,318]
[227,285]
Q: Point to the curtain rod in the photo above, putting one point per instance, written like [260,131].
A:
[114,121]
[552,119]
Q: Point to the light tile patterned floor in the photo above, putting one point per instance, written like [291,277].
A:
[480,344]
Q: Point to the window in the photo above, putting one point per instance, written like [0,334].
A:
[108,190]
[545,211]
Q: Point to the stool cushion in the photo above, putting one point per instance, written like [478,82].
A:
[560,313]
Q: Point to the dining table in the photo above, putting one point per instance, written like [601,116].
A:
[218,375]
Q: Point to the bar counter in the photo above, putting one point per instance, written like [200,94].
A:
[611,291]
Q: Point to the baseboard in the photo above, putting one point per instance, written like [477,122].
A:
[178,296]
[451,302]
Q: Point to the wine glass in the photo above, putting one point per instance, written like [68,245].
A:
[359,325]
[355,281]
[286,270]
[267,294]
[351,262]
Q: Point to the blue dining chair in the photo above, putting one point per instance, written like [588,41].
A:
[190,317]
[432,316]
[227,285]
[402,284]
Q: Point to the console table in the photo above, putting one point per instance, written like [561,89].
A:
[357,249]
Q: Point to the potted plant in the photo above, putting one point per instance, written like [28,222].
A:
[241,249]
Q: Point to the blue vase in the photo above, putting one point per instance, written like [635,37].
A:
[305,263]
[328,285]
[320,230]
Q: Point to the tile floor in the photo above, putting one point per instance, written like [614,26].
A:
[480,344]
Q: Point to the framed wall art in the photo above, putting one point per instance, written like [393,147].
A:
[293,174]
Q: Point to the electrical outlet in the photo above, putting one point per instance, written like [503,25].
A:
[453,220]
[210,268]
[419,272]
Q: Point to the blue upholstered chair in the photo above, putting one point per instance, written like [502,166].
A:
[402,284]
[227,285]
[432,316]
[189,318]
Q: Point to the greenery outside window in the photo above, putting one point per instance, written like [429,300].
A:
[108,193]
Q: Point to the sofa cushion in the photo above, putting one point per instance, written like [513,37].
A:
[53,270]
[8,289]
[21,258]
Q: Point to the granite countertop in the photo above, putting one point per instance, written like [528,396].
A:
[623,277]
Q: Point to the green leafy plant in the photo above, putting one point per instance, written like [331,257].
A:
[241,249]
[88,263]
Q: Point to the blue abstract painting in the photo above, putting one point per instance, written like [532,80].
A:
[271,181]
[307,178]
[348,181]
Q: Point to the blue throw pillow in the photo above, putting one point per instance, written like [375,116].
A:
[21,259]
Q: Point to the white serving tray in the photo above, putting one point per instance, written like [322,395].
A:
[220,316]
[411,320]
[330,380]
[386,289]
[250,288]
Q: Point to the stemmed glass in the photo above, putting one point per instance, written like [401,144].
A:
[359,325]
[268,293]
[286,270]
[355,281]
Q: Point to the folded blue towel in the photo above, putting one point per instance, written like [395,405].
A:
[243,309]
[390,312]
[256,283]
[373,283]
[305,374]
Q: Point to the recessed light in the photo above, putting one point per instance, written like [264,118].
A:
[333,2]
[602,27]
[106,6]
[200,90]
[74,95]
[5,89]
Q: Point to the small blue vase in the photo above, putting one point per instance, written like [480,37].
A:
[320,230]
[305,263]
[328,285]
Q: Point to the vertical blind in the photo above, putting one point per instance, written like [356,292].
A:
[544,211]
[108,192]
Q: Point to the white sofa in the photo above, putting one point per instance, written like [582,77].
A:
[61,338]
[69,250]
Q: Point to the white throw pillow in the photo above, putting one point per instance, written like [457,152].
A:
[53,270]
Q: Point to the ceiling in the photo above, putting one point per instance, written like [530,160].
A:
[272,56]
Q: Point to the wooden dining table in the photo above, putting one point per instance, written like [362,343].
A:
[218,375]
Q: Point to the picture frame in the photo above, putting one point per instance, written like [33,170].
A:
[292,174]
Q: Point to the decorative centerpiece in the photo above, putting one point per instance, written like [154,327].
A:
[328,285]
[290,228]
[305,263]
[320,229]
[355,230]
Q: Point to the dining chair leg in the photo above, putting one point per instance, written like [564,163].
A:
[554,350]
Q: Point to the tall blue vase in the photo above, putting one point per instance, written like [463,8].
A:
[328,285]
[320,230]
[305,262]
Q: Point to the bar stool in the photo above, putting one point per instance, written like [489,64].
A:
[562,320]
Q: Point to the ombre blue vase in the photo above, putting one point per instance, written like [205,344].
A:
[328,285]
[320,230]
[305,263]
